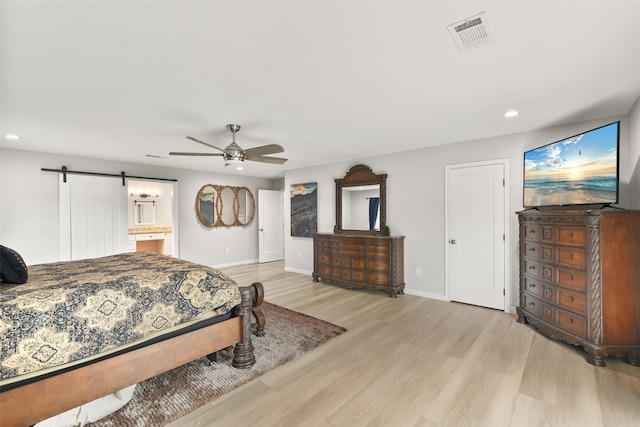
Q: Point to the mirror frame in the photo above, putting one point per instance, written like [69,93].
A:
[356,176]
[221,209]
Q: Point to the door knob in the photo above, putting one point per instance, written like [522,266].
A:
[452,241]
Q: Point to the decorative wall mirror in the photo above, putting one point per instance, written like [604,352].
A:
[361,202]
[225,206]
[206,205]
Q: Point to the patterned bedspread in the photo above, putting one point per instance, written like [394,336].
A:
[71,310]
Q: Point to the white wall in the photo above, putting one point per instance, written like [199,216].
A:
[415,199]
[29,221]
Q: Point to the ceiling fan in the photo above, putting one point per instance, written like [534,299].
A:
[233,154]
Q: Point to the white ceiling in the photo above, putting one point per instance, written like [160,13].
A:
[328,80]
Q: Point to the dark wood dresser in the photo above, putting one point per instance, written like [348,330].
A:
[357,261]
[580,279]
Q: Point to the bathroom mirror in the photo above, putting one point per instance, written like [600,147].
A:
[361,202]
[144,212]
[225,206]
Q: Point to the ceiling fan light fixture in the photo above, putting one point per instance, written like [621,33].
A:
[233,161]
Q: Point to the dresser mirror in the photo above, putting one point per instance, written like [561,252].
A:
[225,206]
[361,202]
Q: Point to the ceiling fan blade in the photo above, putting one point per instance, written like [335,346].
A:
[265,159]
[180,153]
[264,149]
[205,143]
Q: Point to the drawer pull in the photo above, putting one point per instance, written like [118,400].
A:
[569,320]
[532,249]
[532,285]
[569,234]
[570,299]
[568,256]
[532,231]
[532,267]
[569,277]
[532,303]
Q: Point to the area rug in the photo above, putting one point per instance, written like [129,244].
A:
[169,396]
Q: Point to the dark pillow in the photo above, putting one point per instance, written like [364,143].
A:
[12,267]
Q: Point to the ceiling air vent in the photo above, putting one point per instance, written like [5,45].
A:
[471,32]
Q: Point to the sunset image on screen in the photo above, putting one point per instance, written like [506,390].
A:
[578,170]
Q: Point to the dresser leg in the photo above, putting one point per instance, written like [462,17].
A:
[632,360]
[596,361]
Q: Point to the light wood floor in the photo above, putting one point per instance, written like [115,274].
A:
[414,361]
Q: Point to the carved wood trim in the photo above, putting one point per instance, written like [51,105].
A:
[594,279]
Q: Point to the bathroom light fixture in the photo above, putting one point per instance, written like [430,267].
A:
[511,113]
[144,195]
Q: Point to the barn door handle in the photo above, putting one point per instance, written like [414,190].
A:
[452,241]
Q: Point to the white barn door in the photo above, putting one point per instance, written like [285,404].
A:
[93,216]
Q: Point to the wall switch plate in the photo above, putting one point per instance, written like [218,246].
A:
[418,271]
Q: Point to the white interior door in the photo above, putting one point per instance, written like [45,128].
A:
[476,234]
[270,225]
[93,216]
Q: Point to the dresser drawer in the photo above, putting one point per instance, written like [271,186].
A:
[378,250]
[571,257]
[531,268]
[358,262]
[378,264]
[571,279]
[324,259]
[548,293]
[531,304]
[325,270]
[531,250]
[572,300]
[531,232]
[378,277]
[571,235]
[572,323]
[546,253]
[532,286]
[357,275]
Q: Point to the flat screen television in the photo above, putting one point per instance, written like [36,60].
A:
[578,170]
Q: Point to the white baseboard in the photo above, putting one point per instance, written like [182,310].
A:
[425,294]
[298,270]
[233,264]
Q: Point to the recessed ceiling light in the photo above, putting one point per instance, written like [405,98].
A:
[12,137]
[511,113]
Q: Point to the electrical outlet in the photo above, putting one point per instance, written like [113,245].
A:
[418,271]
[299,255]
[227,251]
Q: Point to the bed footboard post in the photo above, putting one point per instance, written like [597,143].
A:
[243,356]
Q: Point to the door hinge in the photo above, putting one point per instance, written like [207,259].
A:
[503,237]
[503,292]
[503,183]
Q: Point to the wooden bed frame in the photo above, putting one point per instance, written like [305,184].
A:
[28,404]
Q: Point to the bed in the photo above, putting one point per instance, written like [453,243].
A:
[80,330]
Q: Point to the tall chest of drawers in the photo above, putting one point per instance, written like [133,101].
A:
[580,279]
[355,261]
